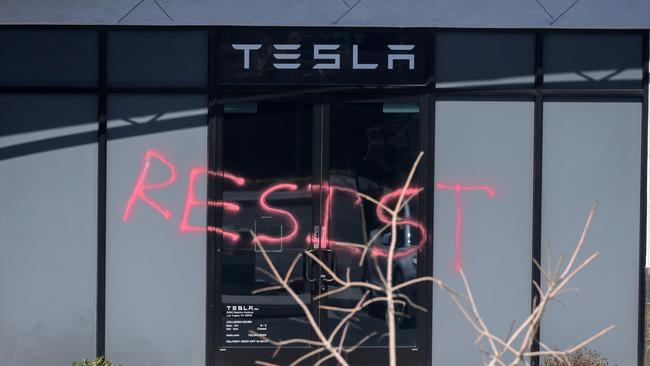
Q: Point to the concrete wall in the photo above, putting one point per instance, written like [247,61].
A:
[411,13]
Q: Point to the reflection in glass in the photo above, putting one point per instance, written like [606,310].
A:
[372,148]
[480,60]
[579,60]
[268,145]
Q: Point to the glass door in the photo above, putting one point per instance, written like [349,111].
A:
[371,146]
[292,171]
[268,170]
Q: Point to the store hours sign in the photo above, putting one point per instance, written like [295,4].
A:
[320,56]
[242,327]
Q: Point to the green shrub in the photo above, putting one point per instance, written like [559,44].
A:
[582,357]
[100,361]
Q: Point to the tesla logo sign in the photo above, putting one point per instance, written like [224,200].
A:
[326,56]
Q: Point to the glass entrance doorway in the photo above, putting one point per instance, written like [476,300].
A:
[294,170]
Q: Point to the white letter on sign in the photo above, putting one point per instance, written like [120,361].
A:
[247,52]
[355,60]
[286,56]
[401,56]
[327,56]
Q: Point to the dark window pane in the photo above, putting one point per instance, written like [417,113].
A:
[592,60]
[269,145]
[372,148]
[48,57]
[473,60]
[157,58]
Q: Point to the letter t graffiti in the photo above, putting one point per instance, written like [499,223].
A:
[458,246]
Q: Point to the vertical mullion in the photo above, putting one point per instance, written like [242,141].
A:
[324,177]
[211,319]
[316,199]
[430,128]
[538,126]
[430,217]
[101,199]
[643,201]
[424,293]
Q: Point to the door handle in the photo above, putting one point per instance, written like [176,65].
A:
[309,267]
[329,258]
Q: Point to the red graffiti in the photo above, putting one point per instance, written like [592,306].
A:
[380,211]
[329,199]
[458,259]
[139,191]
[191,201]
[142,186]
[266,207]
[240,181]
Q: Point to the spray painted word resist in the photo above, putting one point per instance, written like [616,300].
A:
[321,56]
[145,184]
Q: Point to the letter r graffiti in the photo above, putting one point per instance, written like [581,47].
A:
[141,185]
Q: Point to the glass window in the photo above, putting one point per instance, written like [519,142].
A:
[373,146]
[157,58]
[155,267]
[482,218]
[48,221]
[580,60]
[591,153]
[480,60]
[268,148]
[30,57]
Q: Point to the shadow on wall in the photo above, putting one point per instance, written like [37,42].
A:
[33,123]
[36,123]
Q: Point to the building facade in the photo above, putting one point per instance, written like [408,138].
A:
[143,146]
